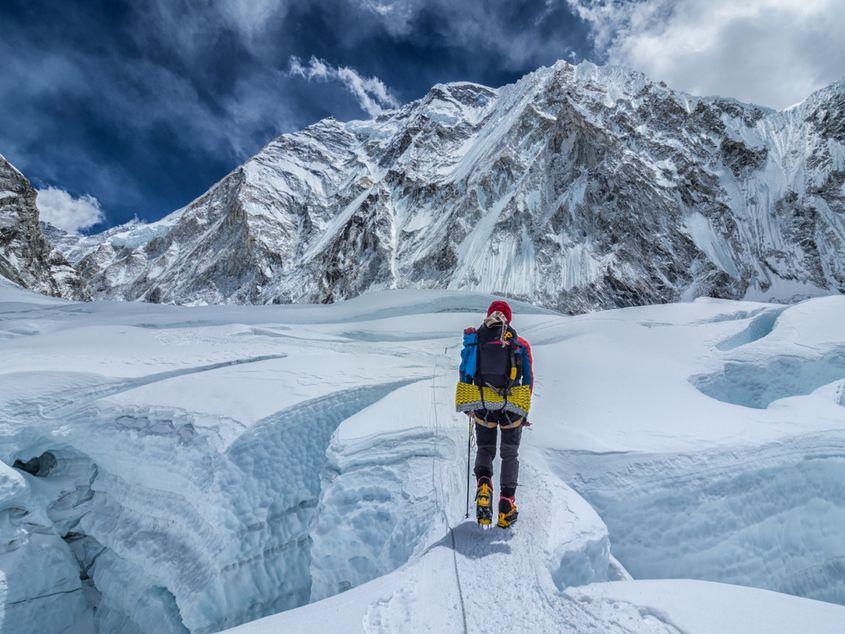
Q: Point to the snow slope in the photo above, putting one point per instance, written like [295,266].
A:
[576,187]
[178,469]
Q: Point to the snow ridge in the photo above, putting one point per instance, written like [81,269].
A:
[577,187]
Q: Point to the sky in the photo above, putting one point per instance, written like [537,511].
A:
[116,109]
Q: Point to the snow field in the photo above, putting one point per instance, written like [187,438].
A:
[231,423]
[203,467]
[698,607]
[765,513]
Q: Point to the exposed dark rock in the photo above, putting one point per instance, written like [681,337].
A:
[26,257]
[40,466]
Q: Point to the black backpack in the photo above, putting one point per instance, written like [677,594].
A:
[499,364]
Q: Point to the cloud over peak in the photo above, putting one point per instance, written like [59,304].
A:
[62,210]
[371,93]
[769,52]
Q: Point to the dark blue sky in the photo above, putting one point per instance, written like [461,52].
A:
[145,104]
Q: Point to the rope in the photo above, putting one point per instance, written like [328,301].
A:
[436,439]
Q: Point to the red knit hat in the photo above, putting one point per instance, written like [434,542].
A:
[503,307]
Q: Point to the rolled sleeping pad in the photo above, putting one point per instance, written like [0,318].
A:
[470,397]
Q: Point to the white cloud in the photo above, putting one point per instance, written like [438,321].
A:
[59,208]
[397,14]
[370,92]
[189,26]
[770,52]
[507,35]
[253,16]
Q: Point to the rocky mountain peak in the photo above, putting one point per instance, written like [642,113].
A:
[26,257]
[577,187]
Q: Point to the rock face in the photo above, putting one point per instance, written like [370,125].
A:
[577,187]
[26,257]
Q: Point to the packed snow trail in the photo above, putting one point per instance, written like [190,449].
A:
[558,541]
[437,483]
[466,539]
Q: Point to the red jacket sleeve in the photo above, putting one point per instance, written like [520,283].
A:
[527,363]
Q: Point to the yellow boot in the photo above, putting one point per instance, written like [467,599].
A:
[507,512]
[484,502]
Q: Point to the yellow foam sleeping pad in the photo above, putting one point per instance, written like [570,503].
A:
[469,397]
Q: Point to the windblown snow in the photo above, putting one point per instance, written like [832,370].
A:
[300,469]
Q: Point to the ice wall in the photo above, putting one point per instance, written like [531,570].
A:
[771,516]
[155,518]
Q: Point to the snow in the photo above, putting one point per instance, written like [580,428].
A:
[705,238]
[140,235]
[336,224]
[16,170]
[697,607]
[571,176]
[270,468]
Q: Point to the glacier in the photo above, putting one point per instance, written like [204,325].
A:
[299,468]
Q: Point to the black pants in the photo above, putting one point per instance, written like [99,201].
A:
[485,439]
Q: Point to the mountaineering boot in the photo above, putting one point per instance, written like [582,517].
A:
[484,502]
[507,512]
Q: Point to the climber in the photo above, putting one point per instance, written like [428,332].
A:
[498,365]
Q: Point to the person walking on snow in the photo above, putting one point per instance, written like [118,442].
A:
[502,360]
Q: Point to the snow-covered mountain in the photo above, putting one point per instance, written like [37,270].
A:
[577,187]
[26,256]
